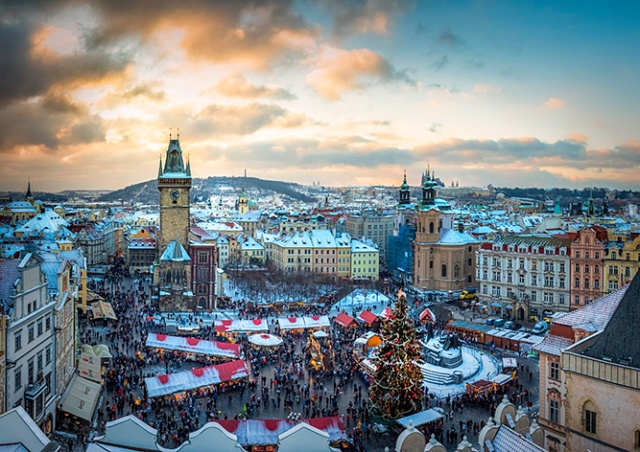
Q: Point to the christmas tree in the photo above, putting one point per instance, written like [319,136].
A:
[396,390]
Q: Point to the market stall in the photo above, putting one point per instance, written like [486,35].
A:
[196,378]
[345,320]
[193,345]
[316,321]
[265,340]
[291,324]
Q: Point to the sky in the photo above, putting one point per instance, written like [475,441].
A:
[337,92]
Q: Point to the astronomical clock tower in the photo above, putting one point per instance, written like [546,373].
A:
[172,271]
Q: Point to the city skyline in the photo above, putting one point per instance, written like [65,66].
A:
[344,94]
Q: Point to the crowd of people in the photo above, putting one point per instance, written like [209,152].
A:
[282,380]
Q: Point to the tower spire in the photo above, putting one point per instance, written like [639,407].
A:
[188,165]
[160,165]
[29,188]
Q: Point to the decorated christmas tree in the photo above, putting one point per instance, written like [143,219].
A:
[396,390]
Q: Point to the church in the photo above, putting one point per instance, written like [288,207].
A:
[184,271]
[443,255]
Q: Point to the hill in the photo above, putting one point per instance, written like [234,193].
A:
[147,192]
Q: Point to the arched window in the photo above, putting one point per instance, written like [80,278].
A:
[469,278]
[431,226]
[590,417]
[469,262]
[444,270]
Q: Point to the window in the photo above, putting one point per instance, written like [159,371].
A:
[47,355]
[590,425]
[18,378]
[431,227]
[548,281]
[561,283]
[596,269]
[521,279]
[444,271]
[577,254]
[554,410]
[39,363]
[30,371]
[597,254]
[18,342]
[203,258]
[586,268]
[40,328]
[32,332]
[561,267]
[596,283]
[586,283]
[561,298]
[469,262]
[577,268]
[554,370]
[576,283]
[576,300]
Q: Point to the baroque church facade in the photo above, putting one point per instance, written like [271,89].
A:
[443,255]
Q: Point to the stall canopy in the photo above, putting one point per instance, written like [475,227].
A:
[421,418]
[317,321]
[90,367]
[291,323]
[427,316]
[193,345]
[258,432]
[81,398]
[192,379]
[368,317]
[241,326]
[102,310]
[344,320]
[265,340]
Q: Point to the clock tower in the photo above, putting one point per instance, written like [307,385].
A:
[174,184]
[172,271]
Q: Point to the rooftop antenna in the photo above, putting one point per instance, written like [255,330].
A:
[178,133]
[169,132]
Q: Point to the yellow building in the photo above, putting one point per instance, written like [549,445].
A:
[365,261]
[621,260]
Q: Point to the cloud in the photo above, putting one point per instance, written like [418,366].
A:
[553,103]
[239,86]
[450,39]
[28,70]
[253,33]
[435,126]
[365,16]
[144,90]
[577,137]
[53,122]
[440,63]
[347,70]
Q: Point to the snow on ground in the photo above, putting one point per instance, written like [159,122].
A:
[489,368]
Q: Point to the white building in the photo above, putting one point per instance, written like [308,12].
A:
[524,275]
[30,364]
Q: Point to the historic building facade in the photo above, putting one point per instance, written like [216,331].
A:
[587,265]
[444,257]
[525,275]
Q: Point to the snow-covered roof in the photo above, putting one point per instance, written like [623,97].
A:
[175,252]
[359,247]
[455,237]
[18,427]
[48,221]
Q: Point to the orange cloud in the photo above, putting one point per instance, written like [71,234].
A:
[239,86]
[553,103]
[345,70]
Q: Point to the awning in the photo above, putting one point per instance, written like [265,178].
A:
[368,317]
[254,325]
[291,323]
[90,367]
[265,340]
[260,432]
[193,345]
[427,315]
[81,398]
[495,305]
[344,320]
[421,418]
[241,326]
[316,321]
[102,310]
[192,379]
[320,334]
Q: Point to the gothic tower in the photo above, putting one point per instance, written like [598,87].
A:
[172,271]
[174,185]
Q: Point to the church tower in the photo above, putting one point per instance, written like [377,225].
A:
[405,192]
[172,271]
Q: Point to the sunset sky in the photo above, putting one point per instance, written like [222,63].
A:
[344,92]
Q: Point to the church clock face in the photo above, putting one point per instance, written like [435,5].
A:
[175,194]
